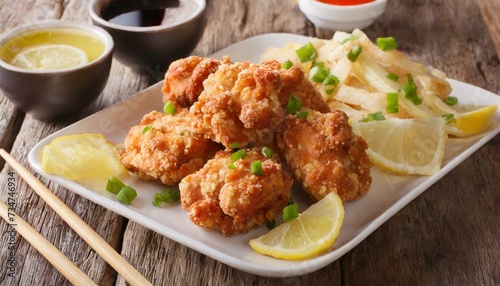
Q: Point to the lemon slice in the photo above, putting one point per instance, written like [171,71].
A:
[405,146]
[50,57]
[89,159]
[313,232]
[473,119]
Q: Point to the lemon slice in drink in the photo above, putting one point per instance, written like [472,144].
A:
[473,119]
[50,57]
[89,159]
[313,232]
[405,146]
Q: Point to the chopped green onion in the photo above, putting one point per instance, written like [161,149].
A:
[449,117]
[167,196]
[302,114]
[169,108]
[354,53]
[240,154]
[350,38]
[270,224]
[392,76]
[231,166]
[451,100]
[392,102]
[293,105]
[318,74]
[234,145]
[306,53]
[146,129]
[330,83]
[286,64]
[268,152]
[126,195]
[387,44]
[291,212]
[376,116]
[318,64]
[256,168]
[409,90]
[114,185]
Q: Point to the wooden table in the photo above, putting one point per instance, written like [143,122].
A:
[449,235]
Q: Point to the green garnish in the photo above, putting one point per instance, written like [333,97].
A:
[449,117]
[286,64]
[126,195]
[302,114]
[392,102]
[387,44]
[169,108]
[114,185]
[354,53]
[392,76]
[270,224]
[306,53]
[290,212]
[318,73]
[146,129]
[167,196]
[268,152]
[409,90]
[451,100]
[376,116]
[231,166]
[234,145]
[330,83]
[240,154]
[293,105]
[256,168]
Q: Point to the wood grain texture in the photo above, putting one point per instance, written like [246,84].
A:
[446,236]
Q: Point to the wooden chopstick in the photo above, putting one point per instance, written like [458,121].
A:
[95,241]
[49,251]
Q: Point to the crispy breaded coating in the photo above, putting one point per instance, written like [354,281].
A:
[324,155]
[295,82]
[234,200]
[240,104]
[184,79]
[169,150]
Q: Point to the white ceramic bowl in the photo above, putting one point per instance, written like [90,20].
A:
[342,18]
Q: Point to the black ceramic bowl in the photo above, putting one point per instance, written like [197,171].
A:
[50,95]
[151,48]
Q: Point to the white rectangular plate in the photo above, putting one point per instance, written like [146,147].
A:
[389,193]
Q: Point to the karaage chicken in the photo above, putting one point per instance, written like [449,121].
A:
[240,104]
[324,155]
[226,195]
[166,148]
[184,79]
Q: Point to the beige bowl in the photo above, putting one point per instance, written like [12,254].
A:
[153,48]
[54,94]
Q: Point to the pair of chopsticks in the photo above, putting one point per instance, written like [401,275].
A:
[51,253]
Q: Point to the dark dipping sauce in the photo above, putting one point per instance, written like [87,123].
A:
[148,13]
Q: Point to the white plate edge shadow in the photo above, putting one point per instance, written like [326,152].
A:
[282,269]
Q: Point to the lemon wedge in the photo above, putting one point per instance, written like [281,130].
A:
[313,232]
[405,146]
[89,159]
[473,119]
[49,57]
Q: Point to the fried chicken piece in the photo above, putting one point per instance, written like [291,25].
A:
[184,79]
[169,150]
[234,200]
[240,104]
[324,155]
[295,82]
